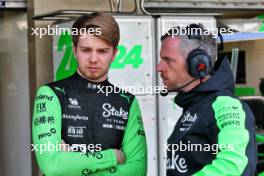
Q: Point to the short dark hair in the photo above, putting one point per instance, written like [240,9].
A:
[108,25]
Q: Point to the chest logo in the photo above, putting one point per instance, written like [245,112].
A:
[76,131]
[74,103]
[177,163]
[189,118]
[187,121]
[110,110]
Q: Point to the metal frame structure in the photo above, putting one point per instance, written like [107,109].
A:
[169,8]
[12,4]
[204,4]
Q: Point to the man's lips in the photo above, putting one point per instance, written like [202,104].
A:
[164,79]
[93,68]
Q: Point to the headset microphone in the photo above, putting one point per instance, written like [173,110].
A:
[177,89]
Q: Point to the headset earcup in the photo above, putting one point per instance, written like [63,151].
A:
[199,63]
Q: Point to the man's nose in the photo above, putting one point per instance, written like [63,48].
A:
[93,57]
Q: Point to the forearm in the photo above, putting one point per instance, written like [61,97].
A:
[134,146]
[73,163]
[56,162]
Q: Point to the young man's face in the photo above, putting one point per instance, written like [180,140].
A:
[94,56]
[172,65]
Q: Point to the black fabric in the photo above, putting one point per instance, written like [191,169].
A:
[197,125]
[89,115]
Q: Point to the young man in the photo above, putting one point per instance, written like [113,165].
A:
[105,133]
[215,135]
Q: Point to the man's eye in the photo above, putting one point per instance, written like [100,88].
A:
[85,50]
[103,51]
[168,60]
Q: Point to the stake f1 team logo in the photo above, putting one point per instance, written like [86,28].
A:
[177,163]
[187,121]
[110,110]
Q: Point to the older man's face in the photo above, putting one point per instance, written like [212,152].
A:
[172,65]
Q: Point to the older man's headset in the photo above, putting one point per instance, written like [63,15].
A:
[199,63]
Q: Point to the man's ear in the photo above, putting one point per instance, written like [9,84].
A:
[115,52]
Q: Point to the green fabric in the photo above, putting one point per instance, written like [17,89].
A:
[261,174]
[259,138]
[134,146]
[261,28]
[230,118]
[245,91]
[59,163]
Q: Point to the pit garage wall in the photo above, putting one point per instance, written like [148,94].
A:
[254,61]
[136,66]
[14,96]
